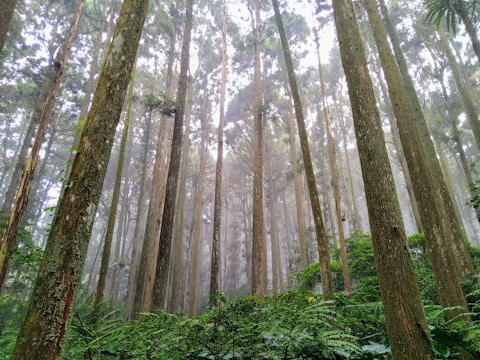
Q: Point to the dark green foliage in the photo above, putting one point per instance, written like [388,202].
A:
[474,202]
[294,325]
[291,325]
[448,9]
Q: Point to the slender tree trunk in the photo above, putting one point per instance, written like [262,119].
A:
[107,244]
[406,323]
[462,87]
[326,274]
[356,218]
[139,223]
[154,214]
[259,242]
[302,229]
[60,272]
[198,219]
[166,231]
[335,182]
[277,277]
[180,214]
[401,157]
[8,241]
[217,209]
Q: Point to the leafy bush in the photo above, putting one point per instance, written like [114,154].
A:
[294,325]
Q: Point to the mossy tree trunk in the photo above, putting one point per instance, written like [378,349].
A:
[45,326]
[405,319]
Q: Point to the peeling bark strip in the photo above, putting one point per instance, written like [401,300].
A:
[46,323]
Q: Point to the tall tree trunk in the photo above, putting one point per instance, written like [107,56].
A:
[8,241]
[356,216]
[326,274]
[276,259]
[334,171]
[406,323]
[7,7]
[439,234]
[166,231]
[259,242]
[217,209]
[180,207]
[459,250]
[139,224]
[107,244]
[198,217]
[462,87]
[154,214]
[401,157]
[302,229]
[60,272]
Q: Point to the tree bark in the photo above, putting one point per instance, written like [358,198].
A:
[406,323]
[326,274]
[166,231]
[47,319]
[439,234]
[259,242]
[458,247]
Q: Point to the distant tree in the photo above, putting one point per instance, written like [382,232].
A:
[60,272]
[405,319]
